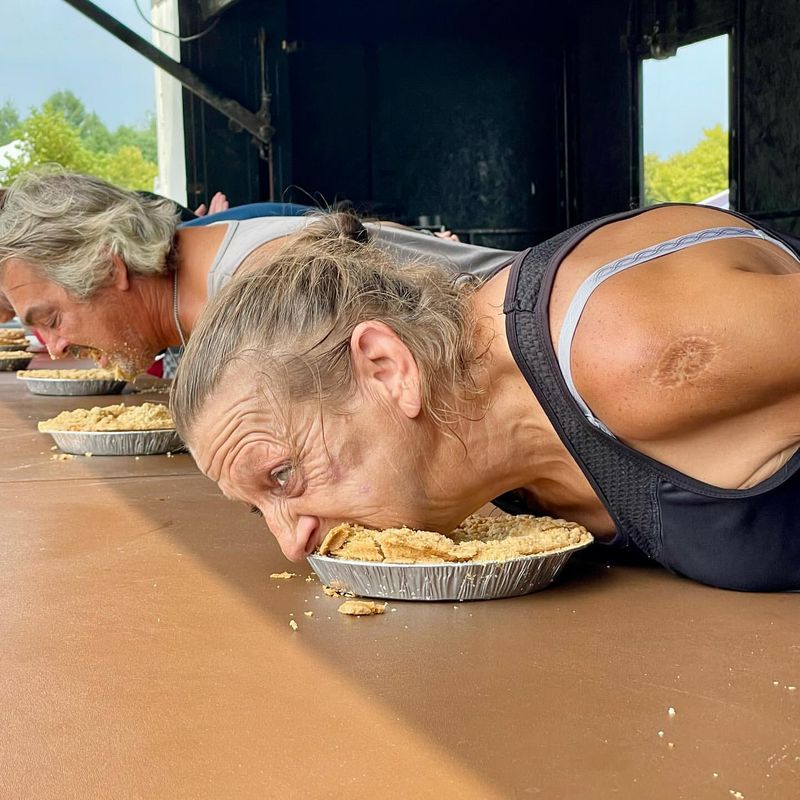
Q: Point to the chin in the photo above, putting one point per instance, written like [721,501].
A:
[443,524]
[411,521]
[129,364]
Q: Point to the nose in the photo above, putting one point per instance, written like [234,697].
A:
[296,537]
[56,345]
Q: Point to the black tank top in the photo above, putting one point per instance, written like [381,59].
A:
[745,539]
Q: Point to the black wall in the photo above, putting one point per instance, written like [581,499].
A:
[516,118]
[219,157]
[406,112]
[771,109]
[395,108]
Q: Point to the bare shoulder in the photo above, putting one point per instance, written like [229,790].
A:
[697,340]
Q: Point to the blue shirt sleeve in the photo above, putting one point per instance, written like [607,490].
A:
[251,211]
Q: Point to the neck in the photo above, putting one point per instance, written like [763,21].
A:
[500,444]
[502,441]
[196,250]
[155,300]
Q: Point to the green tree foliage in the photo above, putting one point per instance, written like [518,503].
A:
[96,136]
[62,131]
[70,106]
[9,122]
[143,138]
[127,167]
[691,176]
[46,137]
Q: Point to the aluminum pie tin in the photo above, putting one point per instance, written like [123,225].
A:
[7,348]
[470,580]
[70,387]
[13,364]
[117,443]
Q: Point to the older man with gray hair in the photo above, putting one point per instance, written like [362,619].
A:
[105,272]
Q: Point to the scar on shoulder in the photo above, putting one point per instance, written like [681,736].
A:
[683,361]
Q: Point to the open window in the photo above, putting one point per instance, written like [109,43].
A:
[685,125]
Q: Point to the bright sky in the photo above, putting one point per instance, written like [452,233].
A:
[684,94]
[46,46]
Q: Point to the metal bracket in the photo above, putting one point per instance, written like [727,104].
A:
[256,124]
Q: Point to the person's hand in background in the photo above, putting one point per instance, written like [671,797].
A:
[219,202]
[453,237]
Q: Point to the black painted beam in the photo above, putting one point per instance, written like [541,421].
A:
[209,8]
[254,124]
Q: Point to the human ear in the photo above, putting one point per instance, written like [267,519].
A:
[383,365]
[119,273]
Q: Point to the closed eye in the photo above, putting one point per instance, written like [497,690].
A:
[256,510]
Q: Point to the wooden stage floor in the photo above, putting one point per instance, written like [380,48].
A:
[146,653]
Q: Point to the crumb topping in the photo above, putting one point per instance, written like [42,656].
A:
[95,355]
[119,417]
[476,539]
[361,608]
[70,374]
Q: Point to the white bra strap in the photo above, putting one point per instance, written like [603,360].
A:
[603,273]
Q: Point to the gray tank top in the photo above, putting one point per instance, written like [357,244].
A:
[242,237]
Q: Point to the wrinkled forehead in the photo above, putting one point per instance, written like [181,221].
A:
[242,408]
[24,287]
[32,295]
[17,274]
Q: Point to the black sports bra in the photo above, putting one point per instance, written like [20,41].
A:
[736,539]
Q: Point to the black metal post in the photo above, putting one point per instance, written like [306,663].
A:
[245,119]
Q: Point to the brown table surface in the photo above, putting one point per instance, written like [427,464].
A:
[146,653]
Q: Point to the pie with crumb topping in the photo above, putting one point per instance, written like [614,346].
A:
[70,374]
[119,417]
[476,539]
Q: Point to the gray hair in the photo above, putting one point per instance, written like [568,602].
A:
[290,321]
[68,226]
